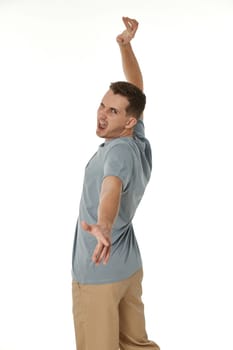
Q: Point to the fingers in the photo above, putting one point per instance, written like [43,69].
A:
[107,256]
[103,247]
[101,254]
[97,252]
[131,25]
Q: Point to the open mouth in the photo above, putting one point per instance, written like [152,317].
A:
[102,125]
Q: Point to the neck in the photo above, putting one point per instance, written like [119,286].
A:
[127,133]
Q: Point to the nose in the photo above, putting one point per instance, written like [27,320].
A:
[102,113]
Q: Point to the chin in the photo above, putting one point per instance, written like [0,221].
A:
[100,134]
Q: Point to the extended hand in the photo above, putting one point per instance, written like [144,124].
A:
[103,247]
[128,34]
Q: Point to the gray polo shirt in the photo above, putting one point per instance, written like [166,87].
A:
[128,158]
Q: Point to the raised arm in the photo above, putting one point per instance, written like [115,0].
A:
[129,61]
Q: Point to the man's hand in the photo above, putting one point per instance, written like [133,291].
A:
[131,27]
[103,247]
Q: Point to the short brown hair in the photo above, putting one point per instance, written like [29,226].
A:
[135,96]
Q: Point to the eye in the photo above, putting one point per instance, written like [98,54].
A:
[113,110]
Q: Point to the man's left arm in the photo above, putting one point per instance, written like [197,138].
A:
[108,209]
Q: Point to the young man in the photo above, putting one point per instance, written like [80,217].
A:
[107,267]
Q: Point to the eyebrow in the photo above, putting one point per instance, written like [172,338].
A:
[114,108]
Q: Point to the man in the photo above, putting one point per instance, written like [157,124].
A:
[107,267]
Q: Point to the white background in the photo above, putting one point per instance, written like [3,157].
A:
[57,59]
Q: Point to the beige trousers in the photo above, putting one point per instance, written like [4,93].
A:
[110,316]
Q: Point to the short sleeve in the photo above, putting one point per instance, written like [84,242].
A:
[119,162]
[139,129]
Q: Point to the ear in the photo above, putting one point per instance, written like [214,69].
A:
[131,122]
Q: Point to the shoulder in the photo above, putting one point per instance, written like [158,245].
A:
[121,147]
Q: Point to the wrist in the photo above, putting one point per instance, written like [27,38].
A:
[105,225]
[124,45]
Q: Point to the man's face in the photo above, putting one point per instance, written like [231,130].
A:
[112,120]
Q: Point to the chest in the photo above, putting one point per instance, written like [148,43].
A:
[94,171]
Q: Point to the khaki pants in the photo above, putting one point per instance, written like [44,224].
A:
[110,316]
